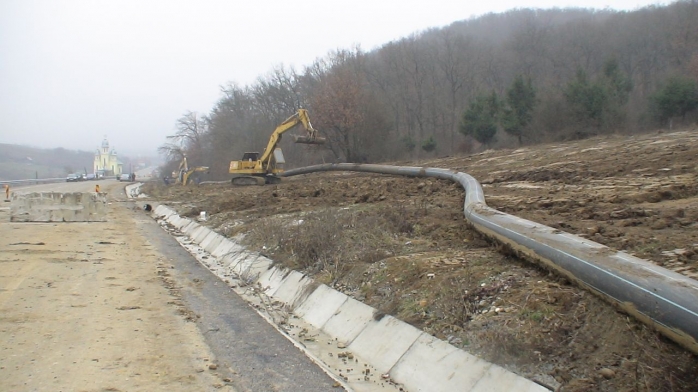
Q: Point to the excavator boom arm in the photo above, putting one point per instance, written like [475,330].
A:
[300,117]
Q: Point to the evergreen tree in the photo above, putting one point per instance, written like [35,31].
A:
[429,144]
[481,118]
[586,100]
[678,97]
[520,102]
[599,104]
[617,87]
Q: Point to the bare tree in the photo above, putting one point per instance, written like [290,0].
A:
[337,104]
[188,139]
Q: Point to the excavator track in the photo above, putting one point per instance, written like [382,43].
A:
[247,180]
[272,180]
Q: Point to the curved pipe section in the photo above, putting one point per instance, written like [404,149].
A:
[665,300]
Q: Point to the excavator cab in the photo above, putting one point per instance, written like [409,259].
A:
[250,156]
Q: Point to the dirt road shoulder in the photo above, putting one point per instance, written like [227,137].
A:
[83,307]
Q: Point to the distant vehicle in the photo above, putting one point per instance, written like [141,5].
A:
[73,177]
[125,177]
[90,177]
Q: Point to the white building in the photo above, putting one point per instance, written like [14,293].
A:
[106,161]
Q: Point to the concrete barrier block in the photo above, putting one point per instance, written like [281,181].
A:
[202,234]
[190,227]
[385,341]
[229,262]
[162,212]
[271,279]
[237,262]
[224,247]
[320,306]
[349,320]
[173,220]
[499,379]
[172,217]
[58,207]
[180,223]
[434,365]
[292,289]
[250,266]
[211,242]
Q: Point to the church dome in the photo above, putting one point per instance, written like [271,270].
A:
[105,143]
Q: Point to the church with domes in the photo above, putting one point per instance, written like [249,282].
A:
[106,161]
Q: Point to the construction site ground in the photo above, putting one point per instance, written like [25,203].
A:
[403,246]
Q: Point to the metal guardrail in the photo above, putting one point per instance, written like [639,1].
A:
[32,181]
[36,181]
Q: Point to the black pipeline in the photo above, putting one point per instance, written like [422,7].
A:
[665,300]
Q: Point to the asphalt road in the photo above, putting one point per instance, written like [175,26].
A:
[260,358]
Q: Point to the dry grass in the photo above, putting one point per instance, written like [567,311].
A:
[327,242]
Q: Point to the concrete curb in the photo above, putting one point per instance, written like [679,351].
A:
[409,356]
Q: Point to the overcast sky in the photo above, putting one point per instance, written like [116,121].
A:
[73,71]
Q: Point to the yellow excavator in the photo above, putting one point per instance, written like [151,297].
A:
[185,172]
[254,169]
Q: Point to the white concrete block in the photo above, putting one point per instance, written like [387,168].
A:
[499,379]
[223,248]
[432,365]
[182,223]
[349,320]
[292,289]
[211,242]
[199,234]
[384,342]
[58,207]
[188,226]
[162,212]
[250,266]
[192,230]
[320,306]
[207,239]
[172,218]
[271,279]
[237,262]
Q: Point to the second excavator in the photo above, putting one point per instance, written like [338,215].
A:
[256,169]
[185,173]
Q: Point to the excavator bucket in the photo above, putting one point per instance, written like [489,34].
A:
[309,139]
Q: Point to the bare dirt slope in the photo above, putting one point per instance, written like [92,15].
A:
[402,246]
[87,307]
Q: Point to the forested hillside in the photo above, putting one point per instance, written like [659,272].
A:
[520,77]
[21,162]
